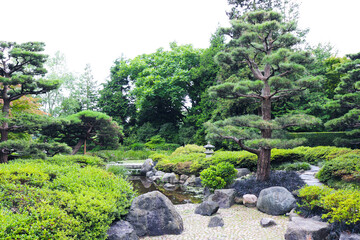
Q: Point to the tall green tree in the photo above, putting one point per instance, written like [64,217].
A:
[115,99]
[348,98]
[266,44]
[21,65]
[83,128]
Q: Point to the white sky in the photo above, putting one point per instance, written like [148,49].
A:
[98,32]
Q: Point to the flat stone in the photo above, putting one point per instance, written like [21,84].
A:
[207,208]
[121,230]
[216,221]
[306,228]
[249,200]
[267,222]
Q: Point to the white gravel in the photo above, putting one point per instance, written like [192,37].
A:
[241,223]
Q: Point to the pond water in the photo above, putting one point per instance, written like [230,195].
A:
[176,195]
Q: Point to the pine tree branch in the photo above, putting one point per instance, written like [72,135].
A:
[285,92]
[241,144]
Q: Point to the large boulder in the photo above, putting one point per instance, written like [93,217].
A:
[121,230]
[169,178]
[224,197]
[207,208]
[147,166]
[305,228]
[153,214]
[275,201]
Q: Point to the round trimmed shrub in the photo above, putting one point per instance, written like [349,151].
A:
[217,177]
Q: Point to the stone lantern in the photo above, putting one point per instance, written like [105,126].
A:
[209,149]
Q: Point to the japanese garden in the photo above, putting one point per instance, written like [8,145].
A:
[255,137]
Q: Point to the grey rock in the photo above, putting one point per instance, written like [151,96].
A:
[169,186]
[305,228]
[147,166]
[216,221]
[347,236]
[224,197]
[316,218]
[153,214]
[238,200]
[155,178]
[150,174]
[249,200]
[169,178]
[241,172]
[183,178]
[198,182]
[292,214]
[207,208]
[267,222]
[159,173]
[121,230]
[275,201]
[190,181]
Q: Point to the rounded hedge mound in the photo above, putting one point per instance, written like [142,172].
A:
[41,200]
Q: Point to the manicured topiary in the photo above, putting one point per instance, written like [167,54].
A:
[59,201]
[217,177]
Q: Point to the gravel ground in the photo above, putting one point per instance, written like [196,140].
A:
[241,223]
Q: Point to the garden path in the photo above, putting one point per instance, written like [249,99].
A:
[309,176]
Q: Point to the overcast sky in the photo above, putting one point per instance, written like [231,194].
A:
[98,32]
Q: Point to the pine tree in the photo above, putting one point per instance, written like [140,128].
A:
[266,44]
[20,67]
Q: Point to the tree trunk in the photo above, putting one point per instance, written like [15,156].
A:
[263,165]
[4,155]
[78,146]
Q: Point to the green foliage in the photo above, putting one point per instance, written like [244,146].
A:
[118,170]
[187,149]
[294,166]
[217,177]
[82,160]
[137,146]
[314,139]
[122,154]
[339,206]
[47,201]
[240,159]
[344,168]
[84,126]
[279,156]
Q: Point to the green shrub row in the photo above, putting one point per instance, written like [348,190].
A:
[341,206]
[190,160]
[314,139]
[60,200]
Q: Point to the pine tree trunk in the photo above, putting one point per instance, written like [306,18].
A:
[78,146]
[263,165]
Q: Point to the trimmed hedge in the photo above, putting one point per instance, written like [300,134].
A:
[345,168]
[315,139]
[190,162]
[40,200]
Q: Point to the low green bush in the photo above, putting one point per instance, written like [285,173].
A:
[217,177]
[137,146]
[344,168]
[240,159]
[315,139]
[187,149]
[122,154]
[40,200]
[297,166]
[338,205]
[279,156]
[82,160]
